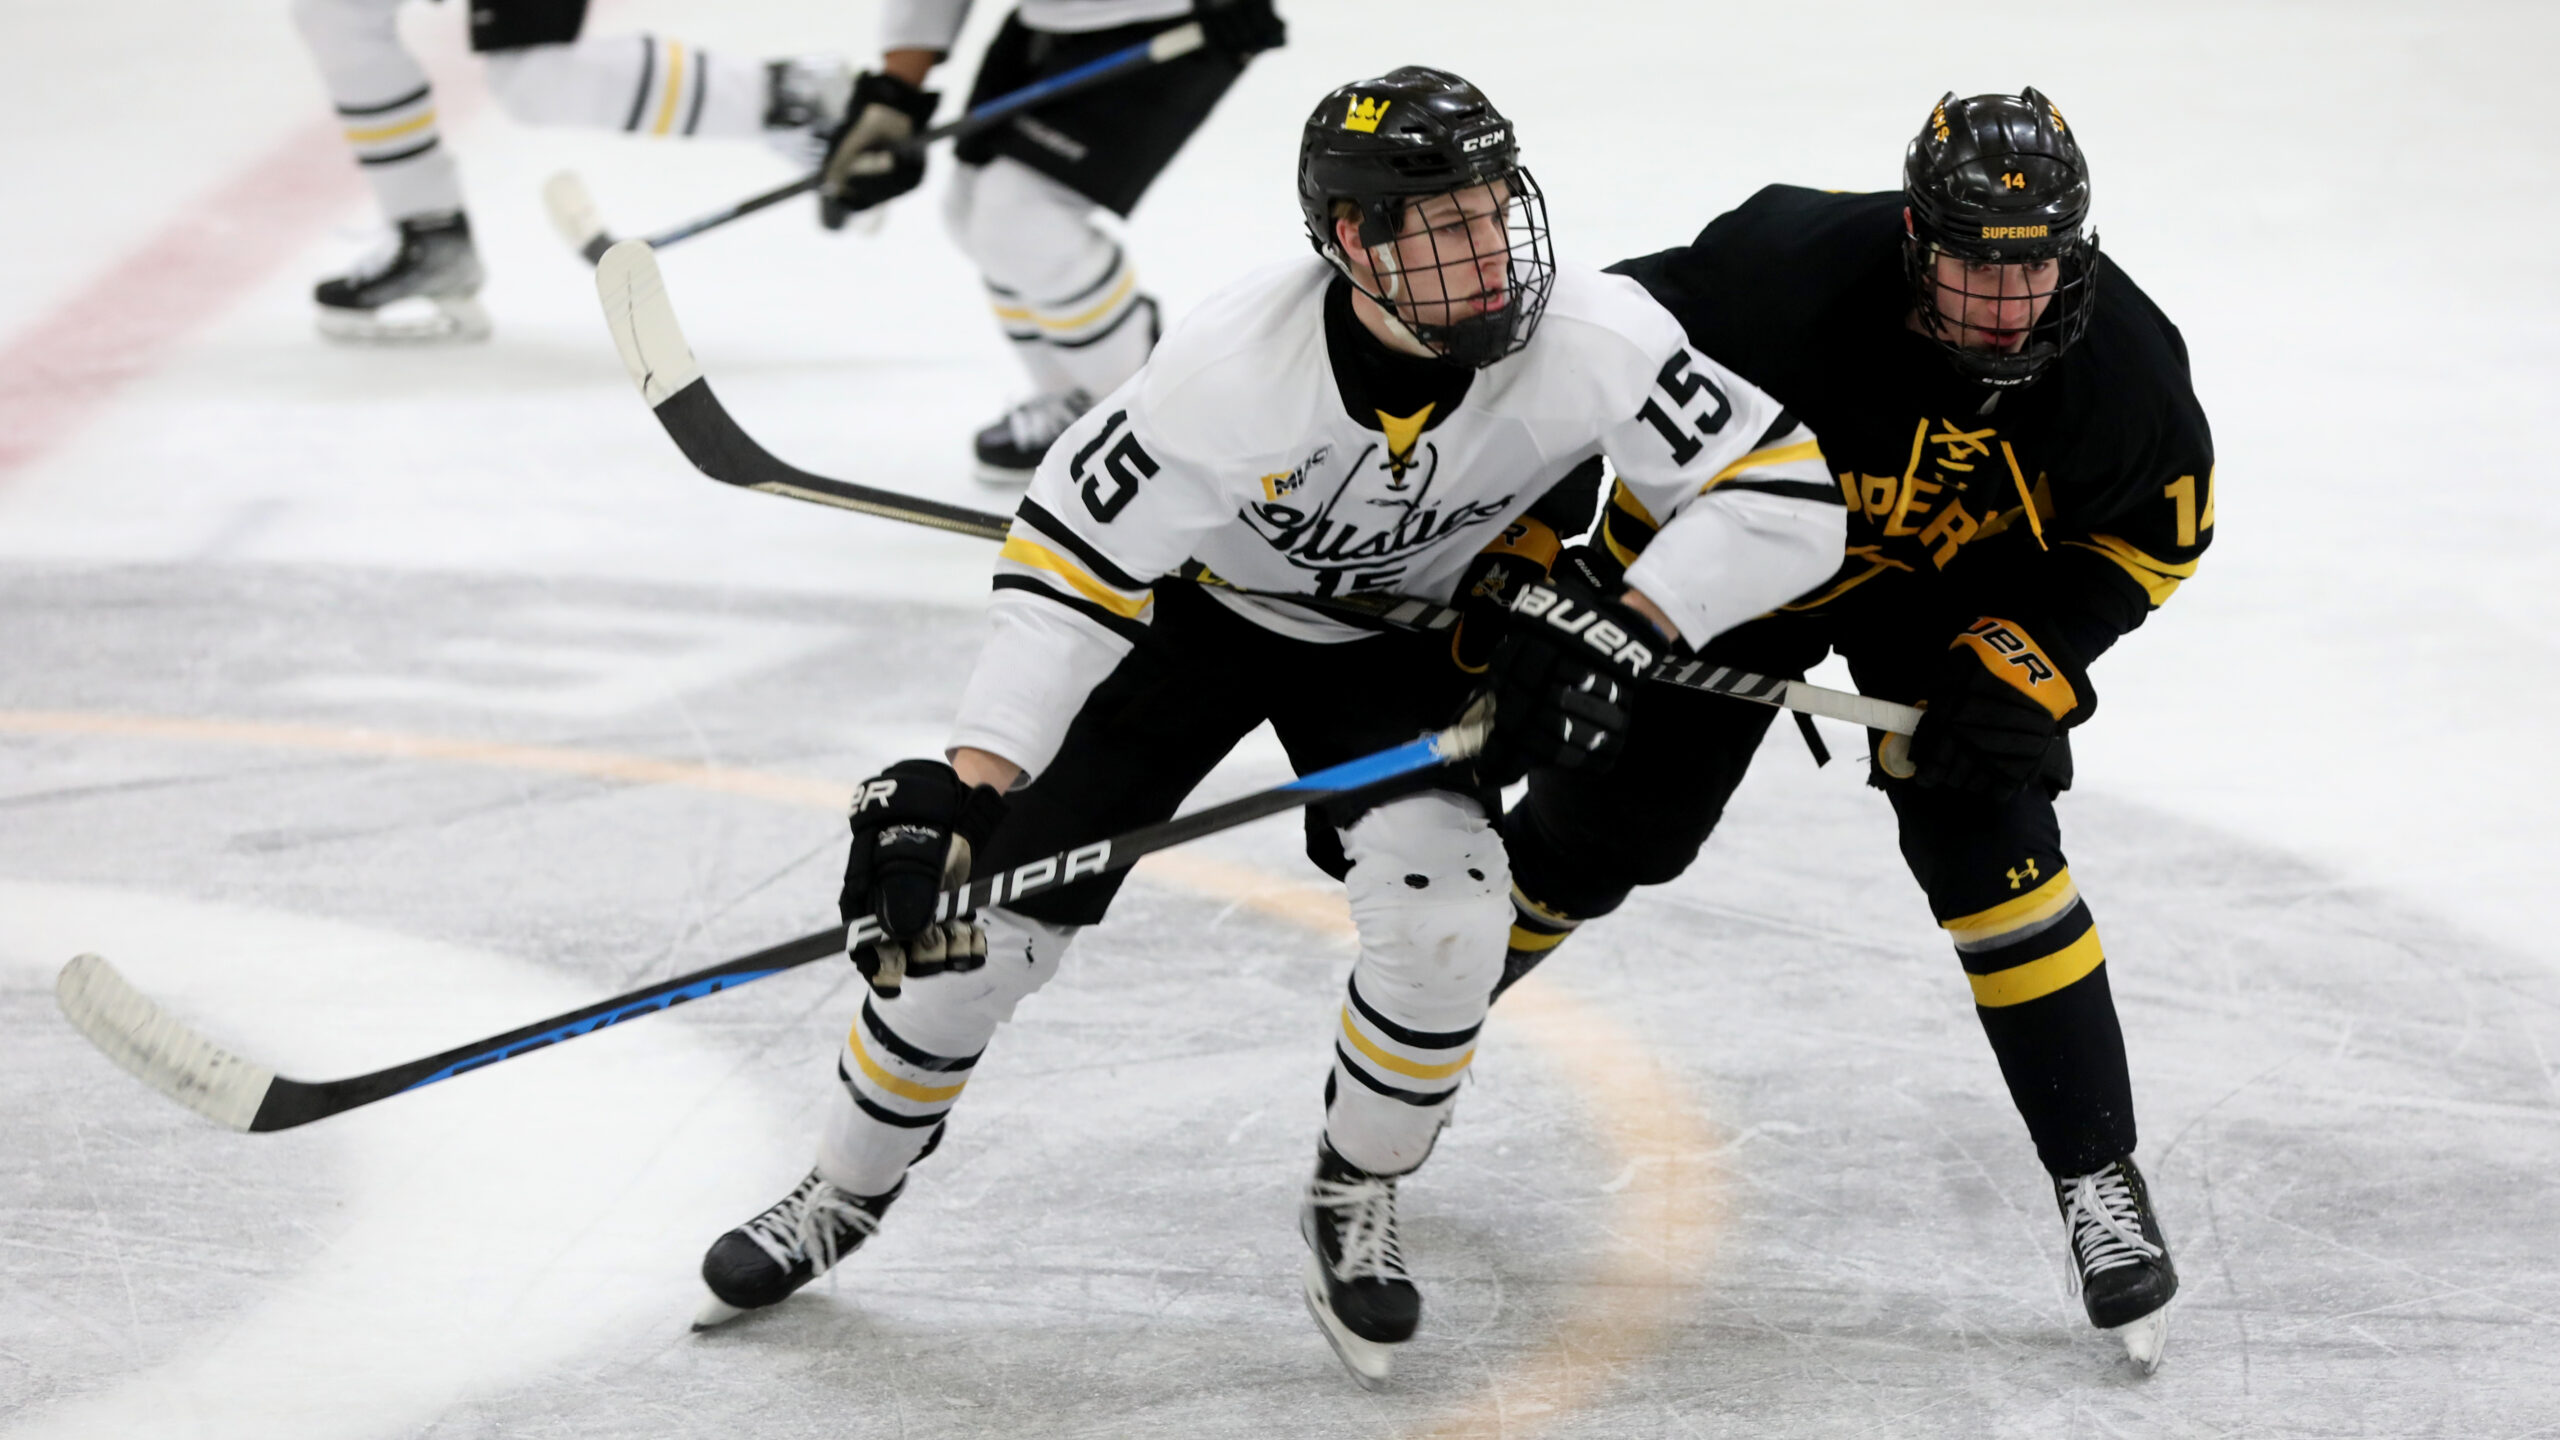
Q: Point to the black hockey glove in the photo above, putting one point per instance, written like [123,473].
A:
[914,828]
[1240,27]
[1492,580]
[1996,702]
[1564,680]
[864,168]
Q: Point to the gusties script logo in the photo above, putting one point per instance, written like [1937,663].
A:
[1362,531]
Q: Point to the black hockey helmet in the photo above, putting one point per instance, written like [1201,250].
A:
[1998,179]
[1405,136]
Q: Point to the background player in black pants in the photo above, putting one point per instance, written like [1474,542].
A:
[1022,199]
[2028,475]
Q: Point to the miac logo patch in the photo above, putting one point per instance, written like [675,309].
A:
[1365,113]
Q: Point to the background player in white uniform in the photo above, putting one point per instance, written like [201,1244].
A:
[1367,422]
[543,74]
[1023,196]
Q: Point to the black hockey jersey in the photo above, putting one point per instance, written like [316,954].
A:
[1803,292]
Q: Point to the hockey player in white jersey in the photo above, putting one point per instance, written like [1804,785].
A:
[425,283]
[1024,196]
[1380,420]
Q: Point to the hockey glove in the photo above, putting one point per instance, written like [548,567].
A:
[864,166]
[1492,580]
[1996,702]
[914,828]
[1241,28]
[1563,681]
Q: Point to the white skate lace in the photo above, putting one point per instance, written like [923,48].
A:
[1034,423]
[1366,1228]
[812,1223]
[2106,1226]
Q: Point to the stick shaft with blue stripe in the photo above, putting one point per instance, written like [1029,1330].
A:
[171,1057]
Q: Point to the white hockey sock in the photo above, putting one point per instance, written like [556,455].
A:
[1062,288]
[905,1061]
[639,83]
[1429,953]
[385,106]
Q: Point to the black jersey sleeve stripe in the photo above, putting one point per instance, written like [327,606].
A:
[921,1059]
[1126,629]
[1777,430]
[396,156]
[1052,529]
[1418,1039]
[387,106]
[1792,489]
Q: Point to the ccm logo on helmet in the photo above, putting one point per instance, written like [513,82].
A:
[1485,141]
[1539,602]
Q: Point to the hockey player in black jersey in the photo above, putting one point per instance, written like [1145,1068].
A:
[2028,475]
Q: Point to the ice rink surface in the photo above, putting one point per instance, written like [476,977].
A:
[358,703]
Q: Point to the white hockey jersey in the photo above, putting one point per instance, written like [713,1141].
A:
[1235,448]
[935,24]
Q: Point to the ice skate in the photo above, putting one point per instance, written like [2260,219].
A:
[2120,1262]
[1010,449]
[421,287]
[805,99]
[761,1262]
[1357,1288]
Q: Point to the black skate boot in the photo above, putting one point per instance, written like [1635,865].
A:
[2121,1262]
[761,1262]
[1010,449]
[420,288]
[1357,1287]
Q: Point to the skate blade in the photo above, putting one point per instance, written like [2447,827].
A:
[2146,1339]
[715,1312]
[1368,1361]
[417,320]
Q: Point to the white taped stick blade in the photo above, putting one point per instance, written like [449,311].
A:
[158,1048]
[644,324]
[573,211]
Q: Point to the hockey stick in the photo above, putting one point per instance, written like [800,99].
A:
[653,349]
[574,214]
[171,1057]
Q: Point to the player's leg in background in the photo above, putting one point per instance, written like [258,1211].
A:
[1063,291]
[1579,844]
[422,284]
[1024,204]
[1998,882]
[543,73]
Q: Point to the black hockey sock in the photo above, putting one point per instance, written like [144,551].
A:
[2063,1056]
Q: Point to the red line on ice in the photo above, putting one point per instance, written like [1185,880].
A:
[62,368]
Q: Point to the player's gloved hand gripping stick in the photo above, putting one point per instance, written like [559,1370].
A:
[653,349]
[173,1058]
[574,214]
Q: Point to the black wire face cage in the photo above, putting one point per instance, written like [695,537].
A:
[1452,304]
[2064,319]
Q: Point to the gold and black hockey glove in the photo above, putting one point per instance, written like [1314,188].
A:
[1564,681]
[915,827]
[1996,703]
[1522,555]
[864,166]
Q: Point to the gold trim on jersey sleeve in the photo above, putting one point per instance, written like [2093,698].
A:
[1773,456]
[1041,557]
[2158,578]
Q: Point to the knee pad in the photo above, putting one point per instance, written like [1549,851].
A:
[957,1012]
[1028,234]
[1430,891]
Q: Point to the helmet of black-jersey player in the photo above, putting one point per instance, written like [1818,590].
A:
[1452,231]
[1997,186]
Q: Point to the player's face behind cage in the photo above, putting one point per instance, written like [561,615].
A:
[1981,304]
[1467,271]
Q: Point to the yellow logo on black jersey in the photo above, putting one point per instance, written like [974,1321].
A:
[1365,114]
